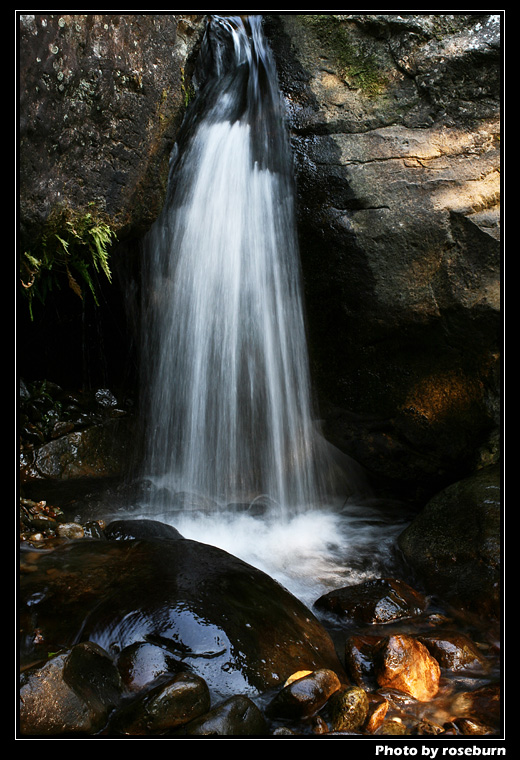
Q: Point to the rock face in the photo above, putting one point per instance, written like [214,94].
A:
[68,436]
[395,123]
[101,97]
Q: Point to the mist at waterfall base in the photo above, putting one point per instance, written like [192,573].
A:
[232,448]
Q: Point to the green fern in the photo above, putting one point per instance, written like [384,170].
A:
[83,243]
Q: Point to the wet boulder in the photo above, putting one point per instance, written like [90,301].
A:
[454,651]
[375,602]
[349,708]
[377,710]
[359,659]
[236,716]
[164,708]
[95,452]
[395,121]
[143,663]
[212,613]
[303,697]
[392,727]
[73,692]
[123,530]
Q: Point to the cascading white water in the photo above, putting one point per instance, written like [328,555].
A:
[229,414]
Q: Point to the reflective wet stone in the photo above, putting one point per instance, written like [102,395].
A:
[304,696]
[172,703]
[379,601]
[454,651]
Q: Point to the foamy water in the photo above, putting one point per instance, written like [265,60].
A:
[310,553]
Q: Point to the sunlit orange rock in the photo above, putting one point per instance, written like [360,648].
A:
[406,665]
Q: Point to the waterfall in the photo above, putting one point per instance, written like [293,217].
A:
[226,387]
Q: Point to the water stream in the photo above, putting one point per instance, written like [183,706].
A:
[226,386]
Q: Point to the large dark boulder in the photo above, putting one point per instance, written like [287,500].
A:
[455,545]
[212,613]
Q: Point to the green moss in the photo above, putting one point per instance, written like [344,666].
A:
[187,89]
[72,249]
[356,66]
